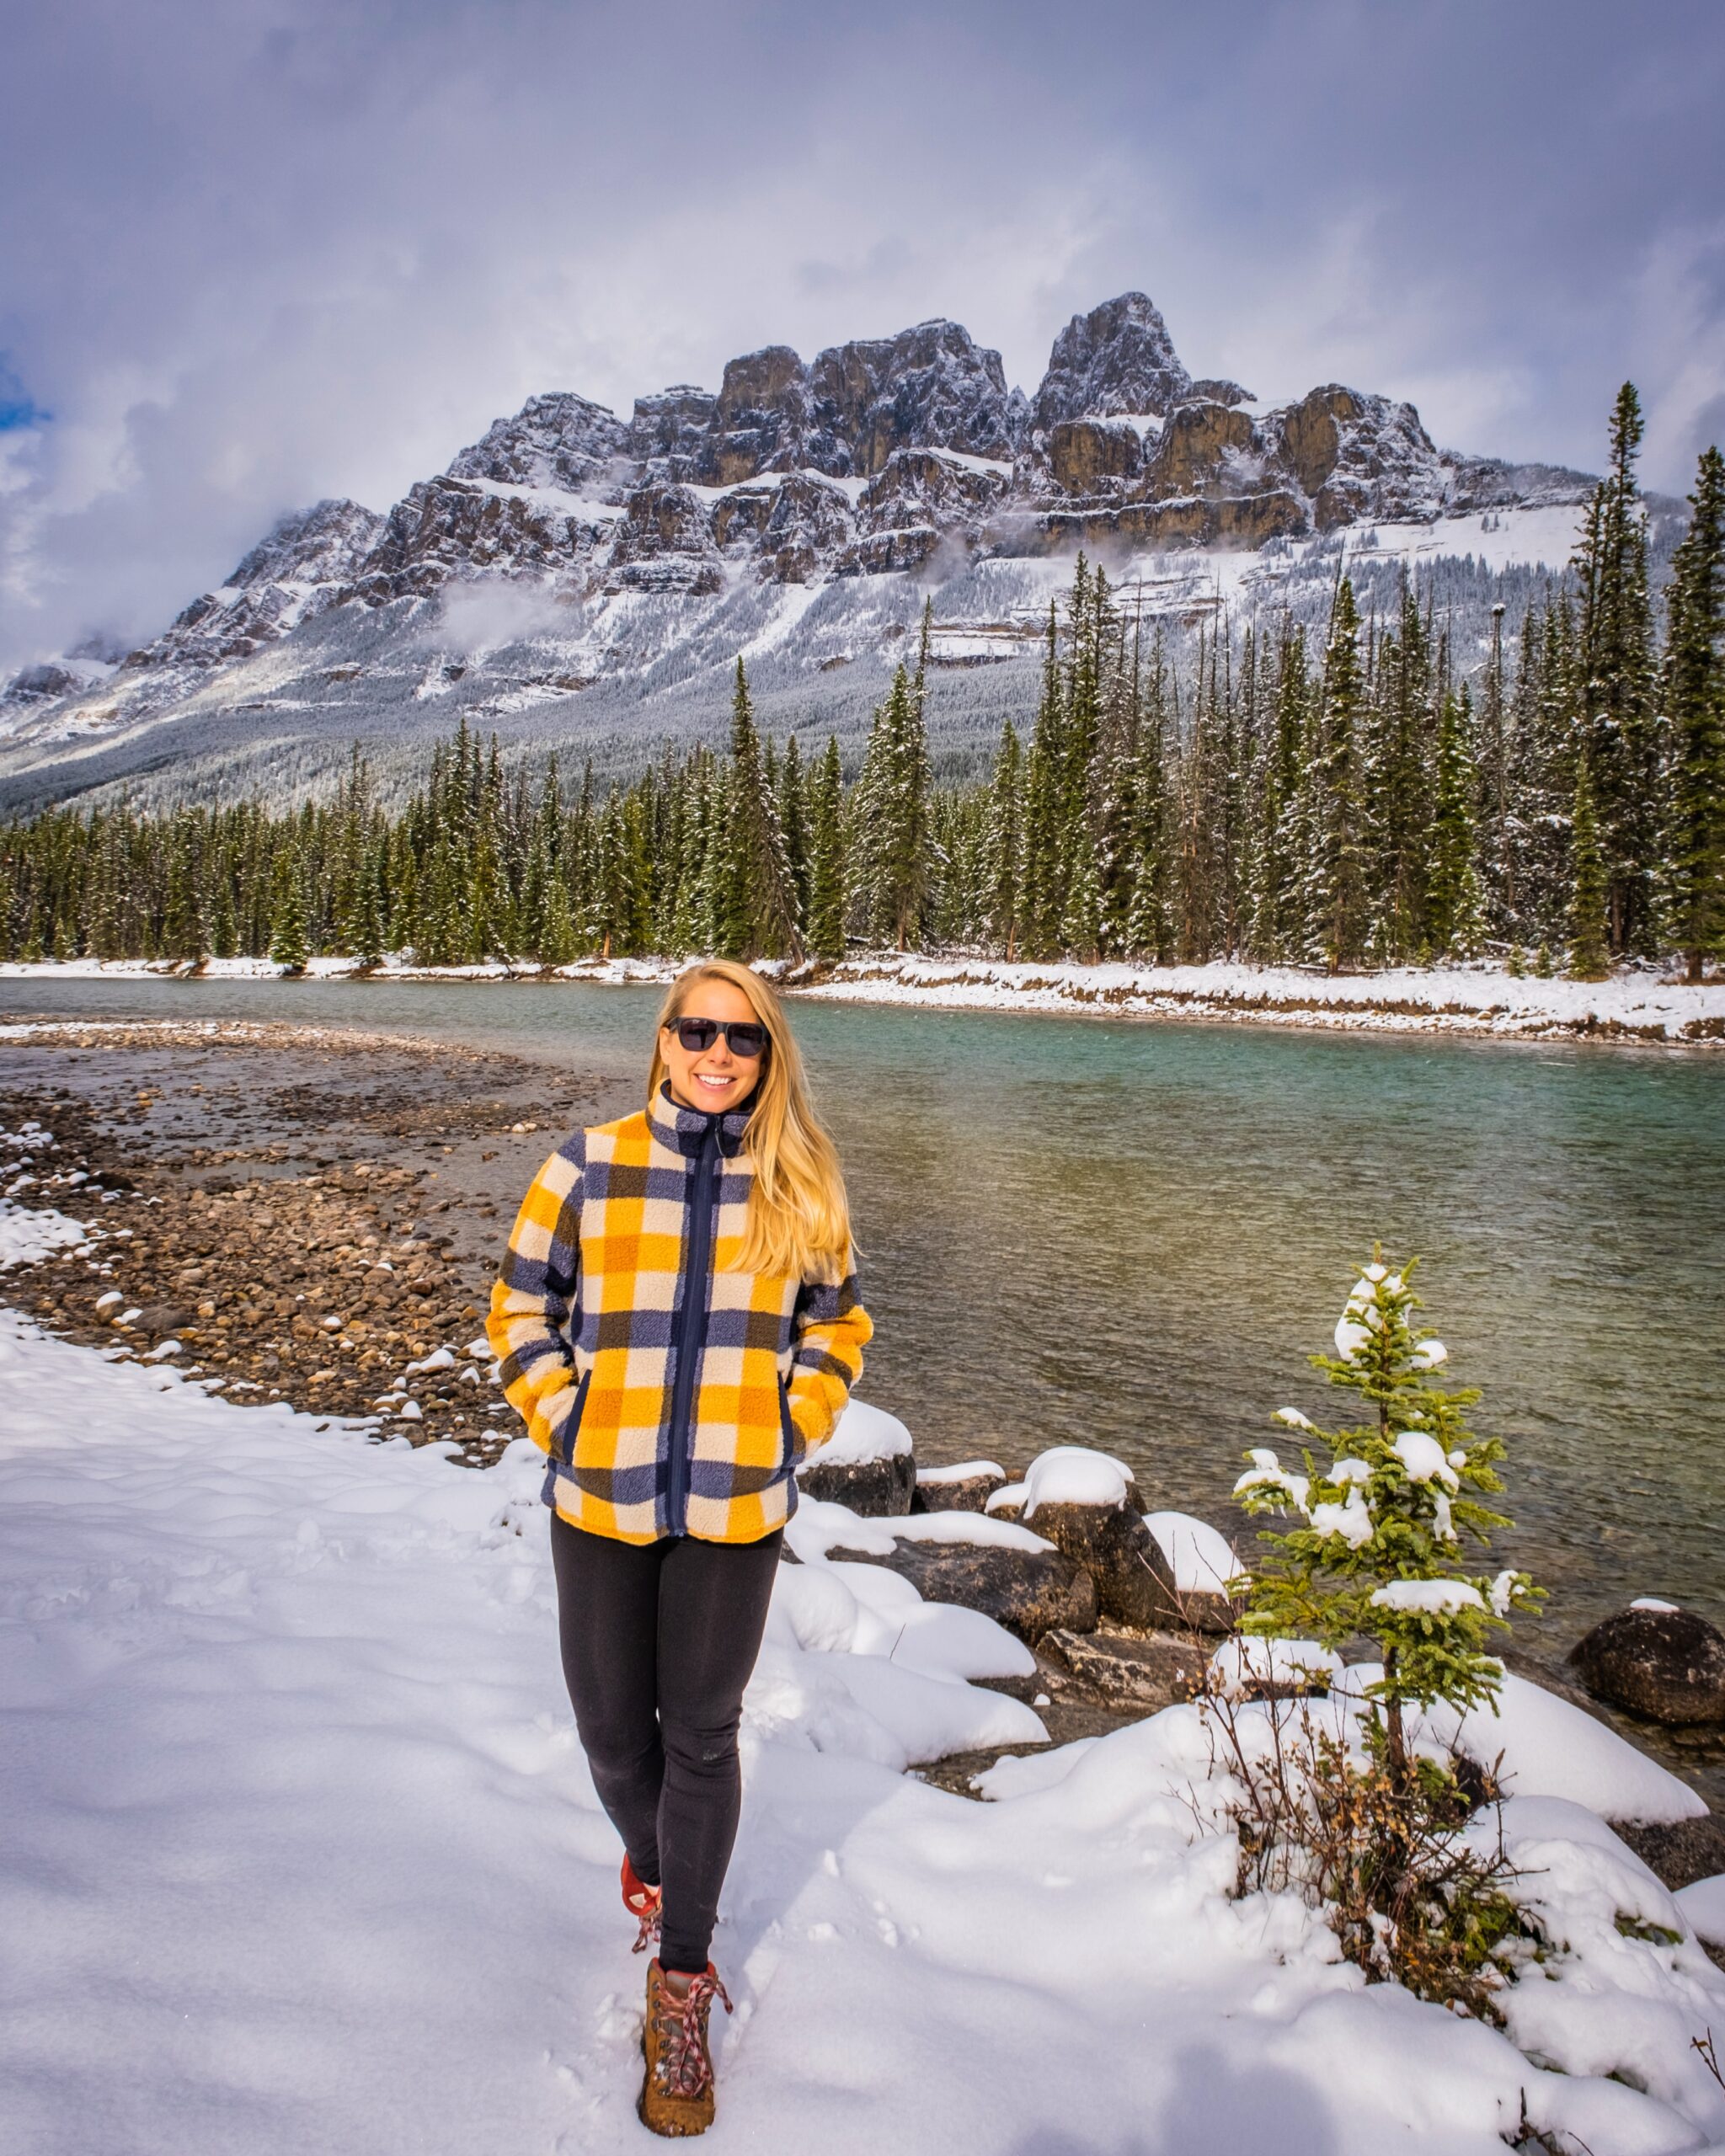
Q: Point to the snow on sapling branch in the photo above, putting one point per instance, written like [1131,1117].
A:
[1377,1546]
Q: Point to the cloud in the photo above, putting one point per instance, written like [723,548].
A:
[297,248]
[491,613]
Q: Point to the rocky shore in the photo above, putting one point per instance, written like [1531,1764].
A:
[293,1214]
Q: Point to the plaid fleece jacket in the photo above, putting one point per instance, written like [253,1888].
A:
[674,1394]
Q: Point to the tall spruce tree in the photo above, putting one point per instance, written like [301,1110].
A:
[1694,708]
[1455,904]
[1617,686]
[1337,898]
[826,857]
[1589,896]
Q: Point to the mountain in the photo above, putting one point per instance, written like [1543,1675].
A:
[580,576]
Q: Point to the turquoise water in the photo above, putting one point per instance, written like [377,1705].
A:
[1130,1235]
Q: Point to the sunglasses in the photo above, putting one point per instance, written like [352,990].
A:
[745,1038]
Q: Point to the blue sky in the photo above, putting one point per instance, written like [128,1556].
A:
[278,249]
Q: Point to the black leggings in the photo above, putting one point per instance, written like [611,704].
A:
[659,1640]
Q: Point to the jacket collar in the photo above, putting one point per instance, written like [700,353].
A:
[685,1130]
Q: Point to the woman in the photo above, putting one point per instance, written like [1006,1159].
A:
[677,1325]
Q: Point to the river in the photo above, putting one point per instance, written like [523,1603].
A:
[1130,1235]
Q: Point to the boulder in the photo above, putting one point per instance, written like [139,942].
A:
[1029,1591]
[1665,1663]
[1201,1562]
[1127,1672]
[1133,1583]
[866,1465]
[1087,1503]
[966,1487]
[877,1489]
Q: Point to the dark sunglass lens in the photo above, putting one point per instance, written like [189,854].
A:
[697,1035]
[746,1040]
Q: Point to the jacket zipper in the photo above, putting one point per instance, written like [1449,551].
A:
[692,1326]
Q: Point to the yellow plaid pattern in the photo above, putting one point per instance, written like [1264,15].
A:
[588,1321]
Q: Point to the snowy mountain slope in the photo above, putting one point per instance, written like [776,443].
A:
[572,571]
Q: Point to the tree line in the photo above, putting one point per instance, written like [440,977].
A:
[1371,798]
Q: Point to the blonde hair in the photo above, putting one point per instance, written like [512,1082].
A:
[799,1218]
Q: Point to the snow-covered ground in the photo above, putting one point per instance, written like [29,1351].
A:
[1474,999]
[1478,999]
[300,1855]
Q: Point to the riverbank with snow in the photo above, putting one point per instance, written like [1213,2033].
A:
[301,1854]
[1636,1006]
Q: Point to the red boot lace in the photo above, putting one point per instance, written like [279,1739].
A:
[644,1904]
[686,2061]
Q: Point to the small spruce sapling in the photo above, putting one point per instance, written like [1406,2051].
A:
[1377,1549]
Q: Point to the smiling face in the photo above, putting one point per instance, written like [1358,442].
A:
[716,1078]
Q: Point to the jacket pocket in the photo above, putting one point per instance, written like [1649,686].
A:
[792,1443]
[572,1423]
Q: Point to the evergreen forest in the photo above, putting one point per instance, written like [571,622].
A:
[1372,799]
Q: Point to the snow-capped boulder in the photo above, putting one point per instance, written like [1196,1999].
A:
[1087,1503]
[966,1486]
[868,1464]
[1666,1663]
[1202,1562]
[1029,1591]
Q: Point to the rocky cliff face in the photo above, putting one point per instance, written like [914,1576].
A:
[877,456]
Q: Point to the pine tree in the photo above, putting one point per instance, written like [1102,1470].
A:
[287,930]
[1335,897]
[1003,843]
[793,823]
[1376,1551]
[826,858]
[891,850]
[1617,683]
[1454,899]
[1694,707]
[756,905]
[1590,949]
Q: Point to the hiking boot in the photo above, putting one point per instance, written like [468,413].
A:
[642,1904]
[676,2096]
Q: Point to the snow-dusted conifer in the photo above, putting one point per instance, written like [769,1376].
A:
[1382,1511]
[1694,708]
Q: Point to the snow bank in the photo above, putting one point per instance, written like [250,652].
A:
[1703,1908]
[301,1853]
[1202,1560]
[1551,1749]
[1481,999]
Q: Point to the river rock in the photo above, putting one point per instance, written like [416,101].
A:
[966,1487]
[1663,1662]
[878,1489]
[868,1464]
[1030,1592]
[1129,1672]
[1134,1584]
[1201,1561]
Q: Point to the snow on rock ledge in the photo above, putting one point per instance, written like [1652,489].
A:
[868,1464]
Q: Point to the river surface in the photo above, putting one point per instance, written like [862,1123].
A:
[1130,1235]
